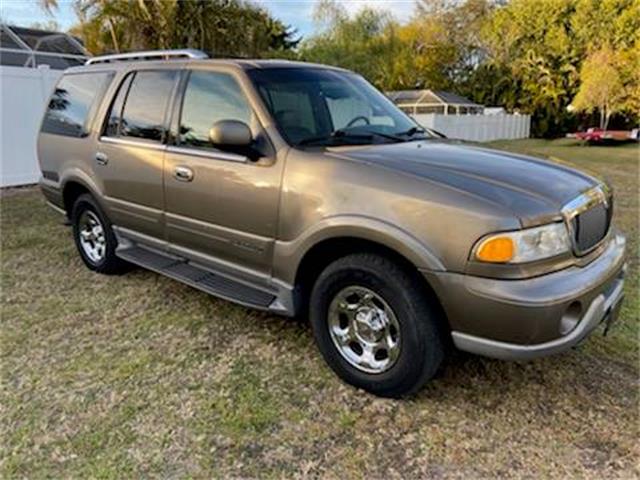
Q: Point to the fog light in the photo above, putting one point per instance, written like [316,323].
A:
[570,318]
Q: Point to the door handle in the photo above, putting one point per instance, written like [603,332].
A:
[102,158]
[184,174]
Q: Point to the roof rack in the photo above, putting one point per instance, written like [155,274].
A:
[148,55]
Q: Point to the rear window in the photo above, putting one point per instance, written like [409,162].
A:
[72,103]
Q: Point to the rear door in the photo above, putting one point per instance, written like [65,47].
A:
[225,210]
[131,149]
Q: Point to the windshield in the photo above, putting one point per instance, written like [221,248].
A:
[316,106]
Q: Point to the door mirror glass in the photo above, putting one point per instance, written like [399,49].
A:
[230,133]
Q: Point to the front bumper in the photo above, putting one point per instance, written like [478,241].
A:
[524,319]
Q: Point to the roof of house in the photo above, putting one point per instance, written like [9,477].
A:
[429,97]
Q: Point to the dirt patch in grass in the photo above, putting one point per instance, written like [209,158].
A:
[138,375]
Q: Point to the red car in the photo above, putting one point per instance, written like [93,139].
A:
[596,135]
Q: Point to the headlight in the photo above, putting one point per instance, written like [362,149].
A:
[523,246]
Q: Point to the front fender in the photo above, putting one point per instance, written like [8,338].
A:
[289,254]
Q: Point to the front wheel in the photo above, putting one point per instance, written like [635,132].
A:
[376,326]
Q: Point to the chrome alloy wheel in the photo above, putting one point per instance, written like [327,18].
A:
[364,329]
[92,237]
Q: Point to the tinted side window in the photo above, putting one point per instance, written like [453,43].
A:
[72,101]
[112,128]
[210,97]
[146,104]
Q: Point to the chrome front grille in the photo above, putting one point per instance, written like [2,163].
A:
[589,217]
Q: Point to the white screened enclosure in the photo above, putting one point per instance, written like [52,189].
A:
[31,61]
[415,102]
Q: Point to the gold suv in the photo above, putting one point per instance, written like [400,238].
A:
[302,190]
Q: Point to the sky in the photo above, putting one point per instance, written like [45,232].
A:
[297,13]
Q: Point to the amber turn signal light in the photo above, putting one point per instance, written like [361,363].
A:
[496,250]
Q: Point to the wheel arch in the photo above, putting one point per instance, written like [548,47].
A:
[290,255]
[74,185]
[318,254]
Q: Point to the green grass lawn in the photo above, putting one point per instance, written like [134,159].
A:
[138,375]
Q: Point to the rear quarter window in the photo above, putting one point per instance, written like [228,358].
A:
[73,102]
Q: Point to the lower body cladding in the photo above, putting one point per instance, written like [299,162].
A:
[525,319]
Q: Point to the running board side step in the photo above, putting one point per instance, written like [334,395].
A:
[182,270]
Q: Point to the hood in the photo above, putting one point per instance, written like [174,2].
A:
[534,190]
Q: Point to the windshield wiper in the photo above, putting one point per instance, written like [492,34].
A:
[337,134]
[388,136]
[428,133]
[411,132]
[342,134]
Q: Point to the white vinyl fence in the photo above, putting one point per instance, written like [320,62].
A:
[23,95]
[477,128]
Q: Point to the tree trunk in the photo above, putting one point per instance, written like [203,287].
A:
[607,115]
[606,120]
[113,36]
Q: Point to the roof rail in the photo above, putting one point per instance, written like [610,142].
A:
[148,55]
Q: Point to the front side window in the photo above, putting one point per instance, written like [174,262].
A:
[72,101]
[316,106]
[145,102]
[209,98]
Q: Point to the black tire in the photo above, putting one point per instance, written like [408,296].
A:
[109,264]
[422,345]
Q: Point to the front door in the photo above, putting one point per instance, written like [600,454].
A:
[130,152]
[221,207]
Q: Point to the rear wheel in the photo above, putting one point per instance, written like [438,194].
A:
[376,326]
[94,237]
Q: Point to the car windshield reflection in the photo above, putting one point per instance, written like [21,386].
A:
[327,107]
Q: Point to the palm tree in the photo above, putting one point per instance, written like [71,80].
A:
[228,27]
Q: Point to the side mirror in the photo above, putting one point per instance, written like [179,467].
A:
[231,133]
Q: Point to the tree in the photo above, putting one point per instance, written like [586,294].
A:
[230,27]
[221,27]
[535,50]
[461,22]
[49,25]
[602,87]
[392,56]
[364,43]
[427,58]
